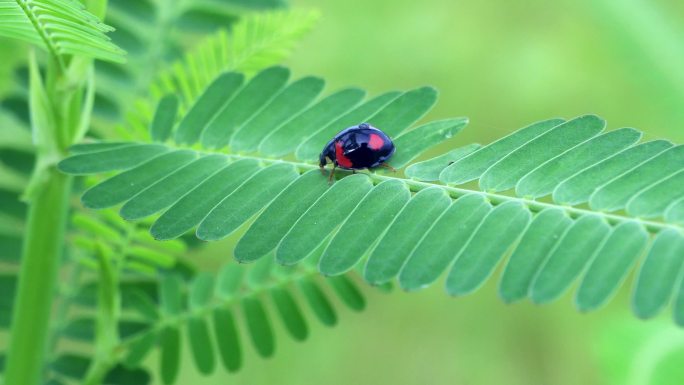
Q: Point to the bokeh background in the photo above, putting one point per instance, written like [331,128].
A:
[504,64]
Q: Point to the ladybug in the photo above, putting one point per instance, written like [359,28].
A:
[356,148]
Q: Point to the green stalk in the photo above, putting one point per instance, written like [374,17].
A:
[43,243]
[60,110]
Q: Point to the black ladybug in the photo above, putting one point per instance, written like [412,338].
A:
[356,148]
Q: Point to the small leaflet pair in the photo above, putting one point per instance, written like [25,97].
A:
[357,148]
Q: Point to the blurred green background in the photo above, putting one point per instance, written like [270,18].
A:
[504,64]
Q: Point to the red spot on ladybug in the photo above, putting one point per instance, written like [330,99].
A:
[342,160]
[375,142]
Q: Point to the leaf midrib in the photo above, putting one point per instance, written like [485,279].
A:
[41,30]
[216,303]
[493,198]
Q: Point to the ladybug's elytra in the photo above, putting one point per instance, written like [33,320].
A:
[356,148]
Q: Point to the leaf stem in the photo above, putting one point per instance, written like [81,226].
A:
[305,271]
[43,243]
[40,29]
[493,198]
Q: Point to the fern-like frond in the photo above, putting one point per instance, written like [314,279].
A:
[133,249]
[607,199]
[208,310]
[62,27]
[72,364]
[255,42]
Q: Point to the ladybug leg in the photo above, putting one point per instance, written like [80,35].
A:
[322,168]
[353,172]
[332,174]
[385,165]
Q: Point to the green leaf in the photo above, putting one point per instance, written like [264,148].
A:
[214,98]
[143,304]
[200,345]
[227,339]
[8,284]
[436,251]
[288,102]
[110,159]
[229,280]
[373,214]
[290,313]
[194,206]
[256,41]
[286,138]
[615,194]
[675,211]
[151,256]
[401,237]
[170,345]
[259,327]
[348,292]
[332,208]
[126,185]
[318,302]
[219,296]
[62,27]
[120,375]
[173,187]
[260,274]
[71,365]
[464,229]
[542,180]
[652,201]
[418,140]
[80,329]
[95,227]
[429,170]
[245,201]
[498,231]
[230,38]
[238,110]
[579,188]
[86,148]
[164,118]
[405,110]
[658,276]
[573,252]
[201,291]
[170,295]
[472,167]
[609,269]
[76,366]
[505,173]
[139,350]
[543,233]
[265,233]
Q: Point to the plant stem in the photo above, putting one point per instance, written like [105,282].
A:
[43,243]
[493,198]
